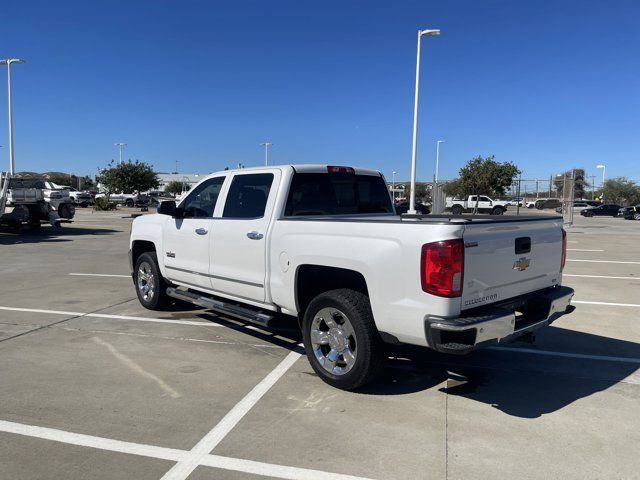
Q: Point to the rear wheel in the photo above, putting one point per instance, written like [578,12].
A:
[151,287]
[457,209]
[341,339]
[129,202]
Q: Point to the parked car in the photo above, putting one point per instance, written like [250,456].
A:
[543,203]
[322,246]
[516,202]
[579,205]
[607,210]
[128,199]
[83,199]
[484,204]
[630,213]
[421,208]
[157,196]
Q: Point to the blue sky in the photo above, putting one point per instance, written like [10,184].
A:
[548,85]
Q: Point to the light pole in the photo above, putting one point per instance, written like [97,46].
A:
[393,187]
[8,63]
[120,148]
[412,199]
[435,177]
[266,146]
[602,166]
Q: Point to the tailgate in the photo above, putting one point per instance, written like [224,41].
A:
[505,260]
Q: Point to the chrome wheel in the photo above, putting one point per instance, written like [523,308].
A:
[146,281]
[333,341]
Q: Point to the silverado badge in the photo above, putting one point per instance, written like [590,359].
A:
[521,264]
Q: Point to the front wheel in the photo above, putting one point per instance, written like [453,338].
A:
[497,211]
[129,203]
[341,340]
[151,287]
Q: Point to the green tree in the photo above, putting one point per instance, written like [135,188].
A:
[621,190]
[454,188]
[485,176]
[579,183]
[423,192]
[128,177]
[177,187]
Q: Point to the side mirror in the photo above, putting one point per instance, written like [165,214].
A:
[168,207]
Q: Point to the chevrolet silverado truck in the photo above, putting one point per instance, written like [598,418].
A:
[323,245]
[484,205]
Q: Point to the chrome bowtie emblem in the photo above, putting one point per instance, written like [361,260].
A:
[521,264]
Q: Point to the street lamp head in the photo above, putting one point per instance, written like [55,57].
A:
[599,166]
[441,141]
[430,32]
[11,60]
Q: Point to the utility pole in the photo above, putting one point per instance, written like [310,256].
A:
[266,146]
[593,185]
[414,149]
[393,186]
[176,166]
[8,63]
[120,148]
[435,177]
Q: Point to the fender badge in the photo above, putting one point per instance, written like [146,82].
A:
[521,264]
[171,255]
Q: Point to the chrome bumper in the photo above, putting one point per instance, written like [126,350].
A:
[499,323]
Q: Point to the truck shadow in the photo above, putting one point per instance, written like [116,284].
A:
[520,383]
[48,234]
[515,379]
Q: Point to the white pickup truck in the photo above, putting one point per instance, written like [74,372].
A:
[324,246]
[484,204]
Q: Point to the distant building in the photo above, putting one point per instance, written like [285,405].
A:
[187,178]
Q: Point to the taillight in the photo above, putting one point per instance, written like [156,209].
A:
[564,249]
[338,169]
[442,267]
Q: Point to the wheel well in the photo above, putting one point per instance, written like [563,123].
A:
[312,280]
[139,247]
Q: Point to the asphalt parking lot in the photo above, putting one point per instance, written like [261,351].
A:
[93,386]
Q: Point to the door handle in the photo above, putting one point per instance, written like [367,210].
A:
[255,235]
[201,231]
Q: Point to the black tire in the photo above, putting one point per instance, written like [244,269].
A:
[457,210]
[158,298]
[35,226]
[365,341]
[84,204]
[128,203]
[497,211]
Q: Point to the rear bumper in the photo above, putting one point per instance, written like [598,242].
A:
[499,323]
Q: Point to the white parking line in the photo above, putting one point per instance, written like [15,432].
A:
[184,468]
[605,358]
[111,317]
[582,250]
[601,261]
[601,276]
[91,441]
[606,303]
[98,275]
[172,454]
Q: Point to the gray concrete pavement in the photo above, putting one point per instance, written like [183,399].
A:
[133,380]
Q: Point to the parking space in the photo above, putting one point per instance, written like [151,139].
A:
[94,386]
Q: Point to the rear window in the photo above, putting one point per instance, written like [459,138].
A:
[337,194]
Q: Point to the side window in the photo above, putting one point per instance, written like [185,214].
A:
[202,200]
[484,199]
[247,197]
[472,198]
